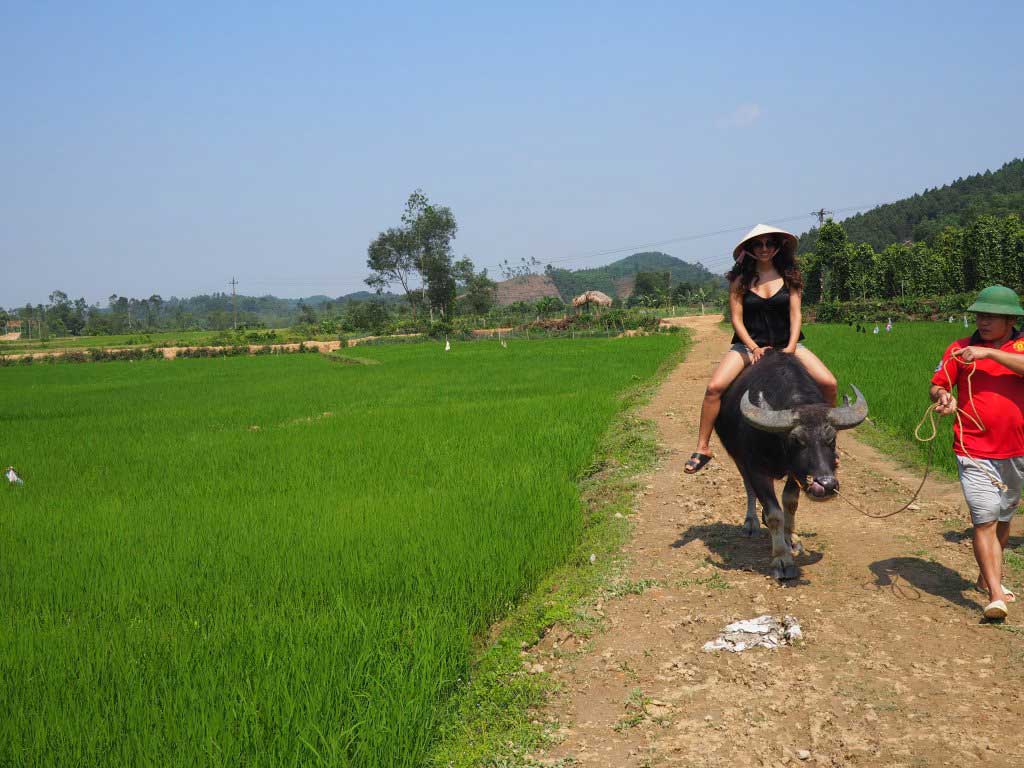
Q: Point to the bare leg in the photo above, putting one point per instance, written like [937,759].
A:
[822,376]
[1003,537]
[989,554]
[726,372]
[790,499]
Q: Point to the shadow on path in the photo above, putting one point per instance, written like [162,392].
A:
[735,552]
[908,577]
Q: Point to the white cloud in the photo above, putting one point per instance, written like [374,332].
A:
[743,115]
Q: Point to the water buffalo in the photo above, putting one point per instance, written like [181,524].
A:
[775,423]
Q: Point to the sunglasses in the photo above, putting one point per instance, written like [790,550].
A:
[761,242]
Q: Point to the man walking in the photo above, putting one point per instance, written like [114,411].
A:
[987,372]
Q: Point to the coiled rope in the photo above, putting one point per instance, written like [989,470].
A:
[929,417]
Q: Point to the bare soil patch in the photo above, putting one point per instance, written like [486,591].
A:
[895,670]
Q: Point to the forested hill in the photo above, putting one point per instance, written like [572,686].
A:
[611,279]
[924,215]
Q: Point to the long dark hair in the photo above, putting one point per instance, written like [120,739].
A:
[746,271]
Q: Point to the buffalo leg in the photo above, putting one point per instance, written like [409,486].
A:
[783,566]
[750,523]
[790,499]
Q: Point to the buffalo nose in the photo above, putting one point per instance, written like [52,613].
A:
[829,484]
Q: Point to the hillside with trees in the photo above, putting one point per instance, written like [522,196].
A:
[610,279]
[921,218]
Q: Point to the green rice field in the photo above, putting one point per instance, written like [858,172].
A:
[893,370]
[281,560]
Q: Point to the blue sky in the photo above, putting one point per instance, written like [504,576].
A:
[164,148]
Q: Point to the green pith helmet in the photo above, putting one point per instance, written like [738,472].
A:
[997,300]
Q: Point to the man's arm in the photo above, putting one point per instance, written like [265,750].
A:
[1008,360]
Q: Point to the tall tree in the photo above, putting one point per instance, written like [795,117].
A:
[393,257]
[421,248]
[836,261]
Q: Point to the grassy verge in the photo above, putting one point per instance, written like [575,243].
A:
[492,721]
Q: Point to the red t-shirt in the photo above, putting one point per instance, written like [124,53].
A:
[998,401]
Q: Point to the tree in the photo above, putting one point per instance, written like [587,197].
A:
[307,315]
[549,304]
[479,294]
[836,261]
[652,285]
[681,293]
[393,257]
[421,248]
[864,277]
[699,296]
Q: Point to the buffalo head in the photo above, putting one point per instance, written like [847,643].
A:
[809,432]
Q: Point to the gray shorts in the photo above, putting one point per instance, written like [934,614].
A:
[745,353]
[987,502]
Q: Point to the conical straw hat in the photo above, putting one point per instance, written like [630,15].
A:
[789,240]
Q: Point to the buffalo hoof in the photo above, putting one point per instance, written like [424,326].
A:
[750,526]
[783,572]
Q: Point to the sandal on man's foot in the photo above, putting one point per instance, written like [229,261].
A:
[1010,596]
[696,462]
[996,610]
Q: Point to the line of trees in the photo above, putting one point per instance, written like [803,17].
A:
[957,259]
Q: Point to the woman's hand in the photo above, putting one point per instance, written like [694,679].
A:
[791,349]
[757,353]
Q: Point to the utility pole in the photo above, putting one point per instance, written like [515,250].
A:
[234,305]
[821,213]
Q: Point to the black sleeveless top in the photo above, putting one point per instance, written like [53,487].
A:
[767,320]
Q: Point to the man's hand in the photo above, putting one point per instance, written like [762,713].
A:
[945,403]
[970,354]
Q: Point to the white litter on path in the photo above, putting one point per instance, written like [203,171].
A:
[12,477]
[763,632]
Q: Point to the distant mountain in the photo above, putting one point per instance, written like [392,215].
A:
[617,279]
[525,288]
[924,215]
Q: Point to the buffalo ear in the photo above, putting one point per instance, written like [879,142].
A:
[765,418]
[849,415]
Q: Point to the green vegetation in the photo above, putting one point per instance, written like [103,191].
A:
[893,371]
[922,217]
[157,339]
[282,561]
[571,283]
[493,719]
[990,250]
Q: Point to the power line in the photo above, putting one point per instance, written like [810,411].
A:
[352,280]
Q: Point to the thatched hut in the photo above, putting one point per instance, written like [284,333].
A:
[592,297]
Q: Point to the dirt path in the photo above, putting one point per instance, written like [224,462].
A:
[896,669]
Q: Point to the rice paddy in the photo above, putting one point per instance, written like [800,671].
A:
[893,370]
[280,560]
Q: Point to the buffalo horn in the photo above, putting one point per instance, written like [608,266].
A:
[764,418]
[848,415]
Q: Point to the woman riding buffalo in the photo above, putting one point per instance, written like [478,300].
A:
[764,302]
